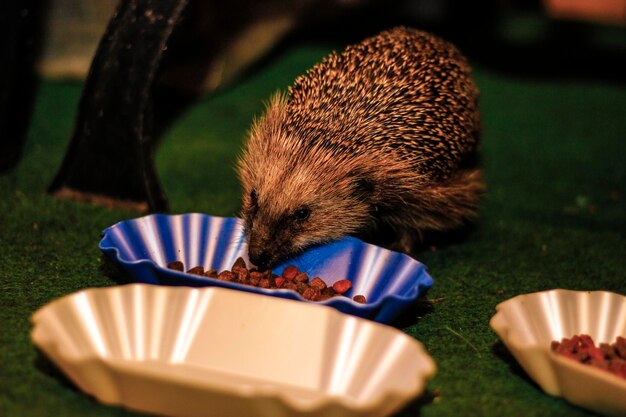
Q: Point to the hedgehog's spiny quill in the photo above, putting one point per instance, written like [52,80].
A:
[377,137]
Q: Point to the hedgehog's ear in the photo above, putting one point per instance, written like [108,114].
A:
[362,188]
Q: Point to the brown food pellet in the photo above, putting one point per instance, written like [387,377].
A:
[302,277]
[211,273]
[608,350]
[290,272]
[196,270]
[620,346]
[290,285]
[360,299]
[272,280]
[225,276]
[242,275]
[255,277]
[291,278]
[301,287]
[318,283]
[581,348]
[239,263]
[176,266]
[342,286]
[328,292]
[312,294]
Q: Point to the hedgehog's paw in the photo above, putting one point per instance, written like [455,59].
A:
[407,241]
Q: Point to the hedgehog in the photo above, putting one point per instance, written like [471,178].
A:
[378,142]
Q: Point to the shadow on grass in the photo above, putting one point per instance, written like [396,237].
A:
[414,408]
[500,350]
[112,270]
[414,313]
[435,240]
[48,368]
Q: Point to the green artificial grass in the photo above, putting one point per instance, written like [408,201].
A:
[553,217]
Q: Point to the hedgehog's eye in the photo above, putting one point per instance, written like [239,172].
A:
[302,213]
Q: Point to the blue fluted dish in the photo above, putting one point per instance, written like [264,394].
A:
[390,281]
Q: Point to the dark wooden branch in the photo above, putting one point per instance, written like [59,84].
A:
[110,159]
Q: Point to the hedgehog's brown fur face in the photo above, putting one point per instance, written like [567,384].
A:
[291,198]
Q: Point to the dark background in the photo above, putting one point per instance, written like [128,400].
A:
[552,98]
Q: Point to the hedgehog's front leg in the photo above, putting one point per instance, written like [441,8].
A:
[406,241]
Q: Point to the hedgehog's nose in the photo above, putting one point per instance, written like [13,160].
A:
[261,259]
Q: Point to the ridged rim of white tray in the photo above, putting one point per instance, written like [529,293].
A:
[101,370]
[528,323]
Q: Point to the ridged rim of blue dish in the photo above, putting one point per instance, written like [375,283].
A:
[143,246]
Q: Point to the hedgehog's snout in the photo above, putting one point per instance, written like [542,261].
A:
[269,245]
[260,258]
[261,249]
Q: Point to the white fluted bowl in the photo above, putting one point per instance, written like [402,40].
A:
[528,323]
[181,351]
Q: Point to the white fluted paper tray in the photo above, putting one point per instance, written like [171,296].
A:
[183,351]
[528,323]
